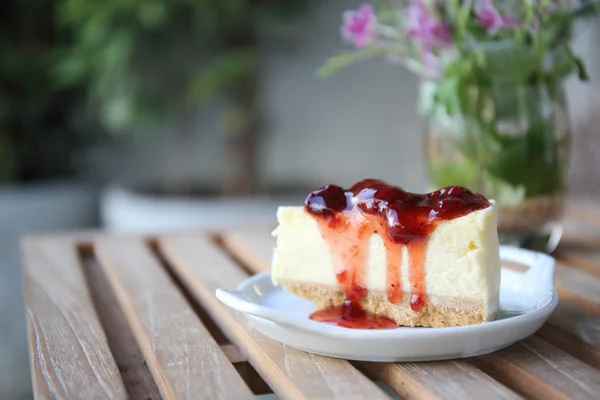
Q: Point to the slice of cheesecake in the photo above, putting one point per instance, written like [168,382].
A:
[376,256]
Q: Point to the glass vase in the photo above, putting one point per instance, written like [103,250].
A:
[510,143]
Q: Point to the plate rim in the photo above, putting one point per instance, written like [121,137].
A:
[366,334]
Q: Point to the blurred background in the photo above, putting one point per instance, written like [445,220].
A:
[150,115]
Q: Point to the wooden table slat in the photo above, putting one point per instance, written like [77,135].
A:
[578,287]
[292,374]
[581,226]
[576,238]
[70,357]
[585,210]
[438,380]
[253,247]
[135,374]
[584,326]
[409,379]
[585,259]
[185,360]
[574,331]
[539,370]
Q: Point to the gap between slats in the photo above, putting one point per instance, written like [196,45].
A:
[233,353]
[541,371]
[64,330]
[206,320]
[578,287]
[185,361]
[292,374]
[574,331]
[135,374]
[552,388]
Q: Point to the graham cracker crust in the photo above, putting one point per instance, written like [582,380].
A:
[439,311]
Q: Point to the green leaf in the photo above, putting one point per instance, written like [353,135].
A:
[447,95]
[587,9]
[531,161]
[448,174]
[581,70]
[507,61]
[579,65]
[346,59]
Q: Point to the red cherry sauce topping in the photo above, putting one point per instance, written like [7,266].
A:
[348,218]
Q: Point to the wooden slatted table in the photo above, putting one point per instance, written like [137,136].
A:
[125,316]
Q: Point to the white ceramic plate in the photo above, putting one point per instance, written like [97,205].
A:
[526,301]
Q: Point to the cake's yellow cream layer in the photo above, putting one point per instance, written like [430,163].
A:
[462,258]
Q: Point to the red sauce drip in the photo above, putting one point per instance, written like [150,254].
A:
[393,252]
[416,273]
[352,315]
[348,218]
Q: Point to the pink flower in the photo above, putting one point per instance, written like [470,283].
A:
[429,31]
[432,66]
[489,17]
[359,25]
[431,34]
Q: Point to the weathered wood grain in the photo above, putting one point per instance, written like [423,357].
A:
[574,331]
[136,375]
[580,257]
[581,225]
[292,374]
[584,210]
[580,246]
[578,287]
[580,234]
[185,360]
[437,380]
[254,249]
[539,370]
[584,326]
[69,354]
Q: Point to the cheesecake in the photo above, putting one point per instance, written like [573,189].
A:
[377,256]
